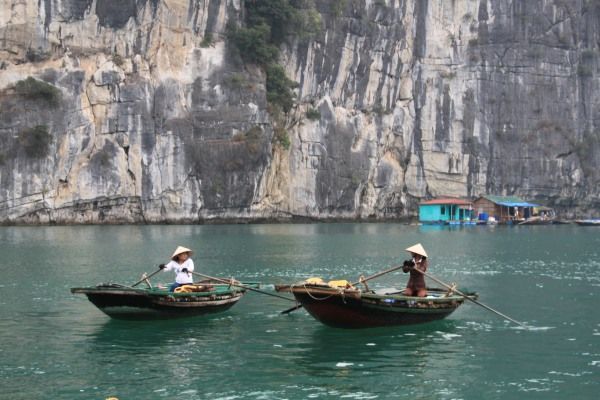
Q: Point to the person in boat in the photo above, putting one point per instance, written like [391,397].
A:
[416,282]
[183,266]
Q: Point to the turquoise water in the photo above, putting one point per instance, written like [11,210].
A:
[56,345]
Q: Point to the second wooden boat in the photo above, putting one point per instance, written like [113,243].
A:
[353,308]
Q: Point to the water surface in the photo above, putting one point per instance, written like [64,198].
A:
[56,345]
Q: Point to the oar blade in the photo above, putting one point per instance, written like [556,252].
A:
[289,310]
[506,317]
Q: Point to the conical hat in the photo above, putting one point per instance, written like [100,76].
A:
[417,249]
[179,250]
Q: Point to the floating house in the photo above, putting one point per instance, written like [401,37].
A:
[505,209]
[446,211]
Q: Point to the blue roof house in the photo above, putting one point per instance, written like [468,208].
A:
[505,209]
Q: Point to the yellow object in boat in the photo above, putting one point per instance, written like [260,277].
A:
[342,283]
[314,281]
[184,289]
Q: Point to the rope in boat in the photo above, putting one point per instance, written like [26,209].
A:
[339,292]
[356,283]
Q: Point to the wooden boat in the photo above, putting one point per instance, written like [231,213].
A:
[353,308]
[537,221]
[588,222]
[126,302]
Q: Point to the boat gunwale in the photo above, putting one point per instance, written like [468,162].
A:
[360,295]
[154,292]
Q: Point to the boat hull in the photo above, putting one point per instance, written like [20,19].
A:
[352,309]
[140,304]
[537,221]
[588,222]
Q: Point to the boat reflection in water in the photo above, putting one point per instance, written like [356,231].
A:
[378,348]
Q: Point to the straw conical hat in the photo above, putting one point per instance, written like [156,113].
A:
[179,250]
[417,249]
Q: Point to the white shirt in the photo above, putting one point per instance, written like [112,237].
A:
[182,277]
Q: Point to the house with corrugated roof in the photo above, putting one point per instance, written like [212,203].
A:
[448,211]
[505,209]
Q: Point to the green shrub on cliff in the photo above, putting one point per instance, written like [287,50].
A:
[280,88]
[282,137]
[313,114]
[35,141]
[337,7]
[208,40]
[268,24]
[253,44]
[297,19]
[235,81]
[34,89]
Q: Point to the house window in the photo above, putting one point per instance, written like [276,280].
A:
[443,210]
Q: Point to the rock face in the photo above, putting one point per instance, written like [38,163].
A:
[147,116]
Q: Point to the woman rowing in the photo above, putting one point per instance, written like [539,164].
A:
[183,266]
[416,282]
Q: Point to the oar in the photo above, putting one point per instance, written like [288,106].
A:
[146,277]
[241,286]
[471,299]
[387,271]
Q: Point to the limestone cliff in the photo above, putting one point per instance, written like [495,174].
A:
[140,112]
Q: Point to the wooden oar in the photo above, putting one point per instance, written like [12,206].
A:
[146,277]
[387,271]
[470,298]
[241,286]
